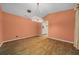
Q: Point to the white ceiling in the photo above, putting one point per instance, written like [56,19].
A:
[20,9]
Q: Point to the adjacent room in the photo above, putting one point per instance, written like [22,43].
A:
[39,28]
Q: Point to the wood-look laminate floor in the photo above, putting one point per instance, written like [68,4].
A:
[38,46]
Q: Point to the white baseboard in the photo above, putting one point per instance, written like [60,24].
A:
[34,36]
[61,40]
[14,40]
[1,44]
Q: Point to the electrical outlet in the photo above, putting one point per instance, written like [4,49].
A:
[16,36]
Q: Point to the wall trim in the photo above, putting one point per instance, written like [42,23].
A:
[61,40]
[76,33]
[16,39]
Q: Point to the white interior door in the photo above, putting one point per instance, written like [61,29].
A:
[45,28]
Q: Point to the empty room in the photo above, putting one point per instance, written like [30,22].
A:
[39,29]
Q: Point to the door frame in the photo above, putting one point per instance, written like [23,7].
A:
[76,32]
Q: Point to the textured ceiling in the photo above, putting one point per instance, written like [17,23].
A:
[20,9]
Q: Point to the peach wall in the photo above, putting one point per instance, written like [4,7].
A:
[0,25]
[17,26]
[61,25]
